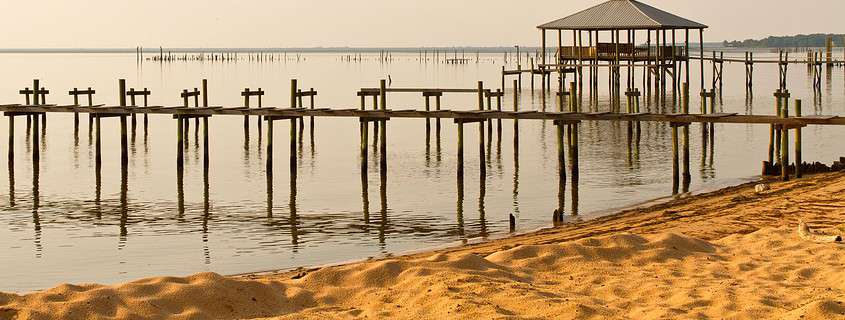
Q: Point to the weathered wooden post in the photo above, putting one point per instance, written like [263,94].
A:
[36,149]
[798,158]
[573,133]
[427,98]
[383,128]
[515,121]
[312,94]
[784,149]
[293,133]
[205,147]
[685,133]
[675,166]
[772,130]
[11,141]
[246,117]
[269,164]
[461,149]
[124,148]
[75,114]
[481,164]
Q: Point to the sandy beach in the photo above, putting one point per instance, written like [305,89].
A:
[730,254]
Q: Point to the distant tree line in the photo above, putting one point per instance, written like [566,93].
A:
[801,40]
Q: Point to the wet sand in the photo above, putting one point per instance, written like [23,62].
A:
[732,254]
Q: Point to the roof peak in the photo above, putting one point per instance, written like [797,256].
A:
[622,15]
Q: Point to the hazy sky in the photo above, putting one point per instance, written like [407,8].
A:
[310,23]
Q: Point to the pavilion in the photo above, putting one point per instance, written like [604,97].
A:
[606,36]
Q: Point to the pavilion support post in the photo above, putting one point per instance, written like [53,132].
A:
[701,66]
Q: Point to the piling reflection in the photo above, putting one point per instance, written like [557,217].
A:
[482,210]
[36,204]
[382,229]
[124,205]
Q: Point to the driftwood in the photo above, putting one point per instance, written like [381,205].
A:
[807,234]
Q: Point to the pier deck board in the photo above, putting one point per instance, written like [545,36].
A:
[442,114]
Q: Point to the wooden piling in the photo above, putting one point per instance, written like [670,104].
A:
[461,149]
[427,122]
[180,145]
[124,148]
[515,121]
[11,139]
[98,146]
[205,146]
[685,133]
[293,133]
[482,163]
[675,166]
[383,127]
[798,156]
[246,117]
[269,164]
[784,149]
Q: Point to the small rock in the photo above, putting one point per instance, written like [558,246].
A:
[760,188]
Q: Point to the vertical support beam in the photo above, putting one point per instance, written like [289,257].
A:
[461,149]
[11,140]
[124,149]
[180,145]
[269,165]
[685,133]
[675,166]
[246,117]
[383,127]
[701,67]
[293,133]
[561,165]
[784,148]
[798,156]
[75,114]
[427,122]
[515,121]
[481,164]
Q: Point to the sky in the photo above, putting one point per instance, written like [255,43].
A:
[365,23]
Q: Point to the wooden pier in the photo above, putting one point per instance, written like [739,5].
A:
[567,119]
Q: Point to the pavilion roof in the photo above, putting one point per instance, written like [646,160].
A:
[622,15]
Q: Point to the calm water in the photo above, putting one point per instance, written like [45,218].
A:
[54,228]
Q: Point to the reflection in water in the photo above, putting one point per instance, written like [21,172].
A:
[383,211]
[206,213]
[460,206]
[482,219]
[36,198]
[124,205]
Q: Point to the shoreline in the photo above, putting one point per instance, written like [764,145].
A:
[604,213]
[732,252]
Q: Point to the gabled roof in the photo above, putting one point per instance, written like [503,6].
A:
[622,15]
